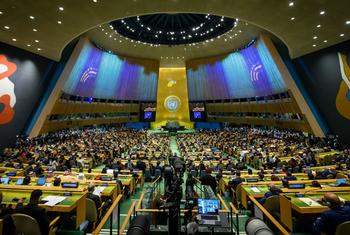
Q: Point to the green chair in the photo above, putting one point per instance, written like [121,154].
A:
[343,228]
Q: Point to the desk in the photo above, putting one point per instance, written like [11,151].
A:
[76,201]
[246,190]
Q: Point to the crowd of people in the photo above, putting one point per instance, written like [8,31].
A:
[204,151]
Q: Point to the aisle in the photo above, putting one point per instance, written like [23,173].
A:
[173,146]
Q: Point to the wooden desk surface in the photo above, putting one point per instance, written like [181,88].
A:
[304,208]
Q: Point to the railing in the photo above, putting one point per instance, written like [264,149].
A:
[234,211]
[110,215]
[269,216]
[127,219]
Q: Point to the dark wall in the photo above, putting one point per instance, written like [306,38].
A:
[31,79]
[320,75]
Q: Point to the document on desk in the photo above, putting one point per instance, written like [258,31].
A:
[53,200]
[98,190]
[309,201]
[255,190]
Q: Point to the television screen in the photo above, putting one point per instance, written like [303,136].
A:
[147,115]
[208,206]
[197,115]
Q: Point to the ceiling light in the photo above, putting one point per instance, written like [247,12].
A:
[35,30]
[61,8]
[14,39]
[39,49]
[325,41]
[6,27]
[31,17]
[314,45]
[59,22]
[347,22]
[318,26]
[36,41]
[291,4]
[293,18]
[1,13]
[341,35]
[322,12]
[315,37]
[94,0]
[28,45]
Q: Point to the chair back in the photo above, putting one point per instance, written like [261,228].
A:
[194,173]
[157,172]
[91,210]
[343,228]
[272,204]
[26,224]
[239,192]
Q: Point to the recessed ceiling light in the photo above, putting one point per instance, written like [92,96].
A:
[342,35]
[28,45]
[318,26]
[36,41]
[325,41]
[61,8]
[314,45]
[39,49]
[59,22]
[315,37]
[35,30]
[291,4]
[94,0]
[322,12]
[347,22]
[1,12]
[293,18]
[14,39]
[6,27]
[31,17]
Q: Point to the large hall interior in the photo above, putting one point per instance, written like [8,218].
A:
[145,117]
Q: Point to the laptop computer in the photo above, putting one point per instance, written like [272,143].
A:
[208,211]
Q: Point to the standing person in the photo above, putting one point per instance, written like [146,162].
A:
[208,179]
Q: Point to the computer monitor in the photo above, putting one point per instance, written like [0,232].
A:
[20,181]
[197,115]
[252,180]
[147,115]
[208,206]
[11,174]
[106,178]
[110,171]
[308,171]
[5,180]
[69,185]
[41,181]
[296,186]
[341,181]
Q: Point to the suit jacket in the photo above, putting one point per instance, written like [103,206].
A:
[38,213]
[329,220]
[95,198]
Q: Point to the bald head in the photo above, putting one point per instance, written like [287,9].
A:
[333,199]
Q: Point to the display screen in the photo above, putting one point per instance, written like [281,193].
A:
[41,181]
[208,206]
[296,186]
[20,181]
[5,180]
[147,115]
[197,115]
[69,185]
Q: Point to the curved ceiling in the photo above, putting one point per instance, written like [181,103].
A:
[173,29]
[46,27]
